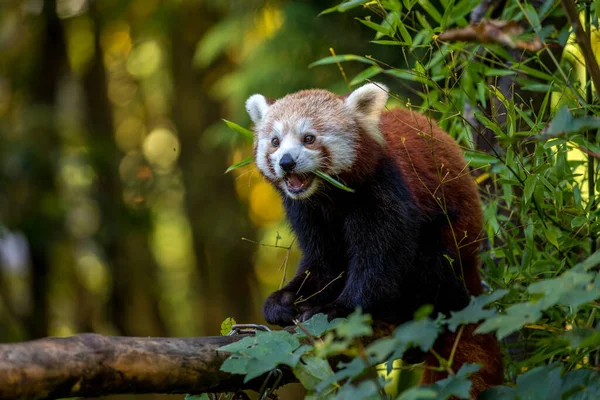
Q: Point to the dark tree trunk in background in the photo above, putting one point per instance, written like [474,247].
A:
[224,262]
[124,236]
[41,225]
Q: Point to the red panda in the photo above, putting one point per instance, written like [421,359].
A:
[407,236]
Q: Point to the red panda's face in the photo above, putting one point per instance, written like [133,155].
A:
[309,131]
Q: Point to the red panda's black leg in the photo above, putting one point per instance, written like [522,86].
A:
[301,293]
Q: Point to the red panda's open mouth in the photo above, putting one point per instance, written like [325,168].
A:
[297,183]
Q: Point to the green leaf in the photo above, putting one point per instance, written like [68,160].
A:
[380,349]
[356,325]
[458,385]
[258,354]
[404,33]
[244,133]
[564,122]
[475,311]
[379,28]
[571,288]
[431,10]
[366,74]
[418,393]
[499,72]
[341,58]
[202,396]
[530,183]
[421,334]
[334,182]
[226,326]
[345,6]
[590,262]
[514,318]
[317,325]
[367,390]
[388,42]
[351,369]
[582,337]
[312,370]
[243,163]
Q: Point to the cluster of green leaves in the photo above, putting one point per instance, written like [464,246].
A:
[316,341]
[307,350]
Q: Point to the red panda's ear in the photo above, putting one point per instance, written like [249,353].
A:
[367,103]
[257,107]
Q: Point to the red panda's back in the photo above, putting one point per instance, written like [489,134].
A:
[435,170]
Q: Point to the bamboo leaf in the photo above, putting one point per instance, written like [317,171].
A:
[244,162]
[366,74]
[341,58]
[245,133]
[333,181]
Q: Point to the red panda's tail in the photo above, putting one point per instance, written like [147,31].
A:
[482,349]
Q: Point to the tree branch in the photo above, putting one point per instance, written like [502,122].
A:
[90,365]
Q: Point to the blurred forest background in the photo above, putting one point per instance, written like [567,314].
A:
[116,216]
[115,213]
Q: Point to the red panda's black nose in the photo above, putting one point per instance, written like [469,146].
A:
[287,163]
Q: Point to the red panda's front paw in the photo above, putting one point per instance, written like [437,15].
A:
[279,308]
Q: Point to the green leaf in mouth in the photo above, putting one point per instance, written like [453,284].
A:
[333,181]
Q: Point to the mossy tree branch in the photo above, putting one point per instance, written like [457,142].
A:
[91,365]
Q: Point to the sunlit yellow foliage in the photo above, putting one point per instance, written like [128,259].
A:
[92,273]
[245,177]
[75,175]
[116,43]
[79,34]
[61,330]
[172,240]
[573,54]
[161,148]
[171,243]
[269,262]
[145,59]
[265,204]
[266,25]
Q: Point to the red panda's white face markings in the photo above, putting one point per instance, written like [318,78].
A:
[312,130]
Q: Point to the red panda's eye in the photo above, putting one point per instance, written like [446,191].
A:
[309,139]
[275,142]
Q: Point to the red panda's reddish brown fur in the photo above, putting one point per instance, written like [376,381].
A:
[427,156]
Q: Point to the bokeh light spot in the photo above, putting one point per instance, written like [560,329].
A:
[161,148]
[144,59]
[265,204]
